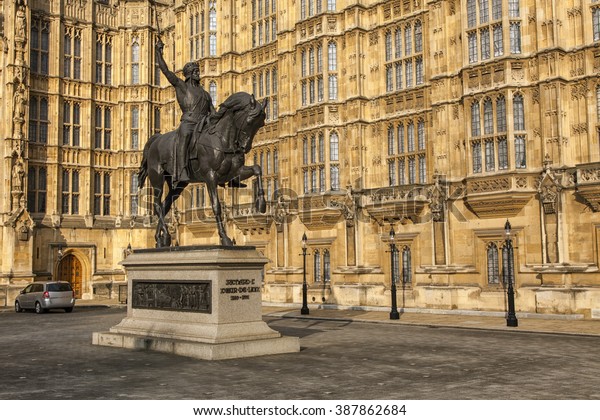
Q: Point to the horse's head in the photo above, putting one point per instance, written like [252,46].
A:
[248,117]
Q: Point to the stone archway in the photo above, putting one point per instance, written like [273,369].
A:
[70,270]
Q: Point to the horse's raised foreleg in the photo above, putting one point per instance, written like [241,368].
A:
[246,172]
[211,186]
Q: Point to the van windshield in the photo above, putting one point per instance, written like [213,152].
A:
[59,287]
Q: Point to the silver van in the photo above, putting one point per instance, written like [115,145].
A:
[44,296]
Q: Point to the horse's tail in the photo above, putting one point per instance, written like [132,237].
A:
[143,172]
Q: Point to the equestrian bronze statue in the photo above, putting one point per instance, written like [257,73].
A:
[196,105]
[216,156]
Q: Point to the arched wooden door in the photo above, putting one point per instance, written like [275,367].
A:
[70,270]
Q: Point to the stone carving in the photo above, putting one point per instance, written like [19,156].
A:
[20,106]
[184,296]
[437,197]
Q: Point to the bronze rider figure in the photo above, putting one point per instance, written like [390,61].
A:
[196,105]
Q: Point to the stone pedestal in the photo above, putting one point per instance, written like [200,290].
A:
[202,302]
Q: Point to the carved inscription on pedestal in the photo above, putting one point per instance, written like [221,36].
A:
[192,296]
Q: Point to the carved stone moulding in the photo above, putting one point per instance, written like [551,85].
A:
[588,184]
[591,195]
[507,204]
[320,218]
[392,211]
[247,219]
[200,222]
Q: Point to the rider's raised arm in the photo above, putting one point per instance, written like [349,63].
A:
[171,77]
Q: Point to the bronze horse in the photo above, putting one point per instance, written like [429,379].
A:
[216,157]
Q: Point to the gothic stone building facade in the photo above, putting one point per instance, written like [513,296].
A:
[441,118]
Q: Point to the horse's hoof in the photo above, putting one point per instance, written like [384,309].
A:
[226,241]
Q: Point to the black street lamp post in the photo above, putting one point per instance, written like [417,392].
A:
[509,277]
[394,312]
[304,310]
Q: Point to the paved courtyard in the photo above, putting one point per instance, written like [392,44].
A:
[50,356]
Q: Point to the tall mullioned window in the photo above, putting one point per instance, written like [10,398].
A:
[332,69]
[313,74]
[196,35]
[212,28]
[101,193]
[264,22]
[317,164]
[486,30]
[490,147]
[40,46]
[36,189]
[135,62]
[407,163]
[71,124]
[135,127]
[38,119]
[104,59]
[133,194]
[493,265]
[72,53]
[520,134]
[596,22]
[404,56]
[103,131]
[70,191]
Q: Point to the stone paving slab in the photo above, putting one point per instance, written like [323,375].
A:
[482,321]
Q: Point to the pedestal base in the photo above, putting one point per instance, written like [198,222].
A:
[206,351]
[201,302]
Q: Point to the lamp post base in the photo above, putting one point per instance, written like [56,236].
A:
[304,311]
[394,315]
[512,321]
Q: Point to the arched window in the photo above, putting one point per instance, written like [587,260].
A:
[493,272]
[332,48]
[421,134]
[400,138]
[410,129]
[596,23]
[303,63]
[212,89]
[334,147]
[475,120]
[317,265]
[135,62]
[305,151]
[326,266]
[313,149]
[321,147]
[518,113]
[390,140]
[388,46]
[408,40]
[488,116]
[471,13]
[406,265]
[331,5]
[418,37]
[501,114]
[398,42]
[319,58]
[598,102]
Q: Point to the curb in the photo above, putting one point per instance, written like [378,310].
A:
[499,328]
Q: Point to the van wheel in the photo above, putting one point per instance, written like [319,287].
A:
[38,308]
[18,307]
[67,310]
